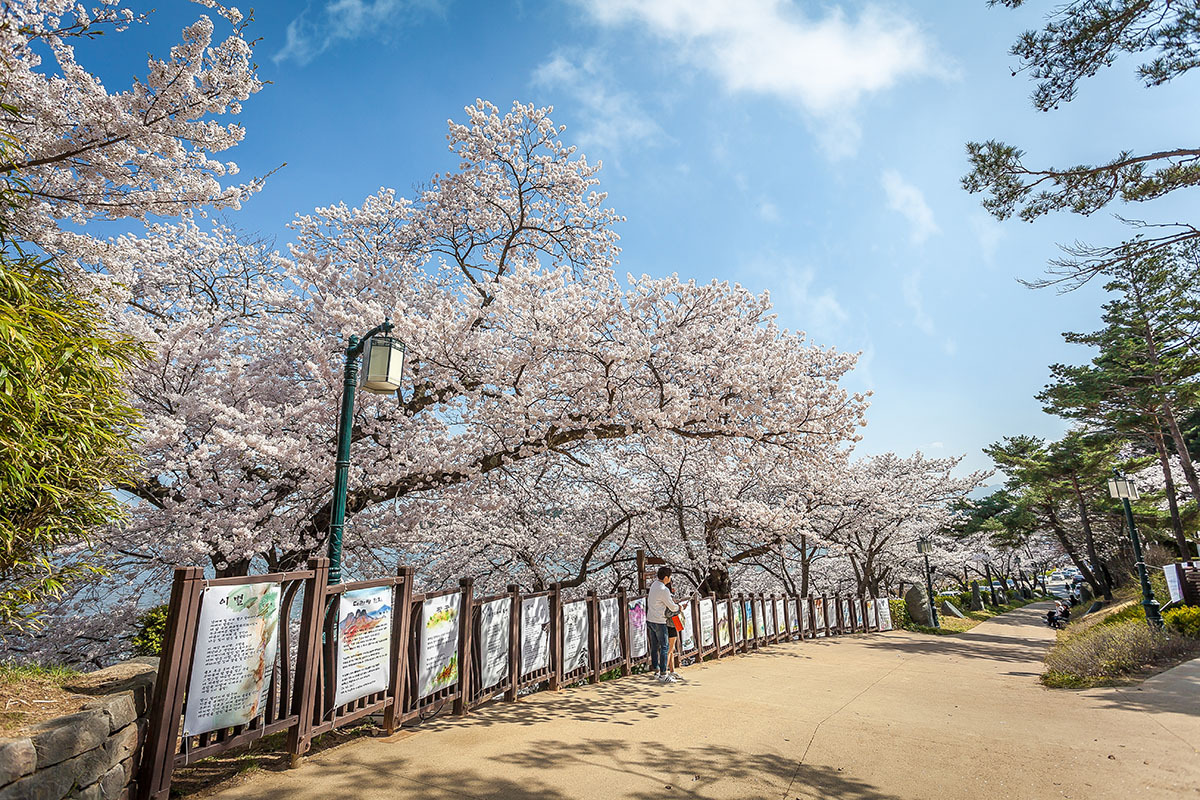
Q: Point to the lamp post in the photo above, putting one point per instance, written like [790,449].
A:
[925,547]
[1120,487]
[384,367]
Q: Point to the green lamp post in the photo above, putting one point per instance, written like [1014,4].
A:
[925,547]
[1123,489]
[383,368]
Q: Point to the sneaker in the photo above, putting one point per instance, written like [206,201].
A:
[664,678]
[675,676]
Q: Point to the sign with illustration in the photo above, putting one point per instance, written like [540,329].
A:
[760,619]
[687,637]
[872,614]
[364,644]
[885,614]
[780,616]
[793,616]
[235,655]
[495,620]
[708,622]
[535,634]
[723,623]
[739,621]
[805,613]
[748,611]
[819,614]
[610,629]
[638,643]
[438,664]
[575,635]
[858,612]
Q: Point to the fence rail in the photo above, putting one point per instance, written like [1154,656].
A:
[506,644]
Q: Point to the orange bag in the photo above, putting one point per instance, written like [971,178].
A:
[678,620]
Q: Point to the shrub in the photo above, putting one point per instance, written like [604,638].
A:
[1184,621]
[900,617]
[1112,650]
[151,630]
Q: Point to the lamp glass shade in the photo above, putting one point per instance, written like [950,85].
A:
[383,365]
[924,546]
[1122,489]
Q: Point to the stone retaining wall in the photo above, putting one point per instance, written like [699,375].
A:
[91,754]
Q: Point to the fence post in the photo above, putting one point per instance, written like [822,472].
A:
[308,650]
[626,634]
[556,635]
[514,643]
[466,623]
[158,753]
[593,606]
[787,616]
[401,633]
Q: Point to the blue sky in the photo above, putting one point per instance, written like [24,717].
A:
[809,149]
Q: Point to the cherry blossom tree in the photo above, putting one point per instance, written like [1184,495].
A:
[88,151]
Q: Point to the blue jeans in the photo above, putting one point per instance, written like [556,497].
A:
[658,645]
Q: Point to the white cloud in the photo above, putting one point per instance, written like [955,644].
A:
[768,211]
[610,118]
[823,63]
[910,288]
[311,34]
[908,200]
[988,232]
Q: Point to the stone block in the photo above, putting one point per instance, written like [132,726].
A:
[89,793]
[951,609]
[119,708]
[87,768]
[115,781]
[17,759]
[66,737]
[976,597]
[917,604]
[135,675]
[51,783]
[122,744]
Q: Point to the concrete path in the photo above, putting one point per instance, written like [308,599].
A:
[876,717]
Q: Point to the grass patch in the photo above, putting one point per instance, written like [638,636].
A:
[31,694]
[951,624]
[1113,646]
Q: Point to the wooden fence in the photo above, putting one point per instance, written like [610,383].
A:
[299,694]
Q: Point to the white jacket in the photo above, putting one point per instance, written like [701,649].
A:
[658,602]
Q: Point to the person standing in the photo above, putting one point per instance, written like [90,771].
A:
[659,605]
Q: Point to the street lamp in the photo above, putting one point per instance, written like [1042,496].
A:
[384,364]
[925,547]
[1123,489]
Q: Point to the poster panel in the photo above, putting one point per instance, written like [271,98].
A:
[235,656]
[858,612]
[760,619]
[575,635]
[723,639]
[364,646]
[845,613]
[739,621]
[885,614]
[780,616]
[751,630]
[495,619]
[819,612]
[806,611]
[708,622]
[872,615]
[793,616]
[638,643]
[438,656]
[1173,587]
[535,634]
[687,637]
[610,629]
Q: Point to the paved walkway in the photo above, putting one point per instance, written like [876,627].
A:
[877,717]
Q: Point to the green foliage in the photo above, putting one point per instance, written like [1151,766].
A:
[151,631]
[900,617]
[1185,621]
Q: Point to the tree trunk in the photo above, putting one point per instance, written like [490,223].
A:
[1089,539]
[1164,460]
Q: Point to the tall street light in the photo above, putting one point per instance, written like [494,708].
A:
[1120,487]
[925,547]
[384,366]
